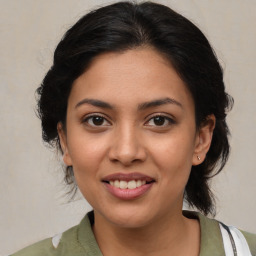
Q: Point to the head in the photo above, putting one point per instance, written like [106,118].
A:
[124,27]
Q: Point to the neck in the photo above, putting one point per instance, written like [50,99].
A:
[173,235]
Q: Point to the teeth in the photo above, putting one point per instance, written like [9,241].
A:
[116,183]
[138,183]
[123,184]
[132,184]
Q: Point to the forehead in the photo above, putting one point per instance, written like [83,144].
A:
[134,75]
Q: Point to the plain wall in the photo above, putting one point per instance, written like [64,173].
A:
[33,205]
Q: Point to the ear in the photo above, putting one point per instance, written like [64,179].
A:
[203,140]
[63,143]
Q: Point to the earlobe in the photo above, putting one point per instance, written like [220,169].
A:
[203,140]
[63,144]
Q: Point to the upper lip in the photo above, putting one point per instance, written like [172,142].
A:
[128,177]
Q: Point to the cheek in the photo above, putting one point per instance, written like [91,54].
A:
[173,149]
[86,154]
[173,156]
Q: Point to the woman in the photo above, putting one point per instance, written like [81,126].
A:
[136,103]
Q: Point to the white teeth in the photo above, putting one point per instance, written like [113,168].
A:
[132,184]
[138,183]
[123,184]
[116,183]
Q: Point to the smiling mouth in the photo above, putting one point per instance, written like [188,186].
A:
[132,184]
[128,186]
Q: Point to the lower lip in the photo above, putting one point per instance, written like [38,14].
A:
[128,194]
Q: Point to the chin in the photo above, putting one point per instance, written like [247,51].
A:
[130,222]
[128,218]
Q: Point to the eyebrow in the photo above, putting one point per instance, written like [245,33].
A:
[142,106]
[158,102]
[96,103]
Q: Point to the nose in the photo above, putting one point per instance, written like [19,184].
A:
[127,146]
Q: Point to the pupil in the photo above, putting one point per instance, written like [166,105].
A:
[159,120]
[97,120]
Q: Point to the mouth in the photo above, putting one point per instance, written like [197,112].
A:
[128,181]
[132,184]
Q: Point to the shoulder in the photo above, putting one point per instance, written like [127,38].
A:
[211,236]
[66,243]
[251,240]
[54,246]
[249,237]
[41,248]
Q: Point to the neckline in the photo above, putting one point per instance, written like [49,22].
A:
[210,234]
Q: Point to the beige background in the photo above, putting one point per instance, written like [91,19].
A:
[32,202]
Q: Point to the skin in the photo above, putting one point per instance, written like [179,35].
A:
[130,140]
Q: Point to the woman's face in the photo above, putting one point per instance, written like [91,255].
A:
[131,121]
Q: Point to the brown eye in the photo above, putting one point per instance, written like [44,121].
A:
[96,120]
[160,121]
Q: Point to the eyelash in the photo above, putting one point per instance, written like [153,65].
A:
[92,116]
[168,119]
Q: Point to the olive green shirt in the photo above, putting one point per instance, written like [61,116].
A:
[80,240]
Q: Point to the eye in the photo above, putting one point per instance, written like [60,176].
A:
[96,120]
[160,121]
